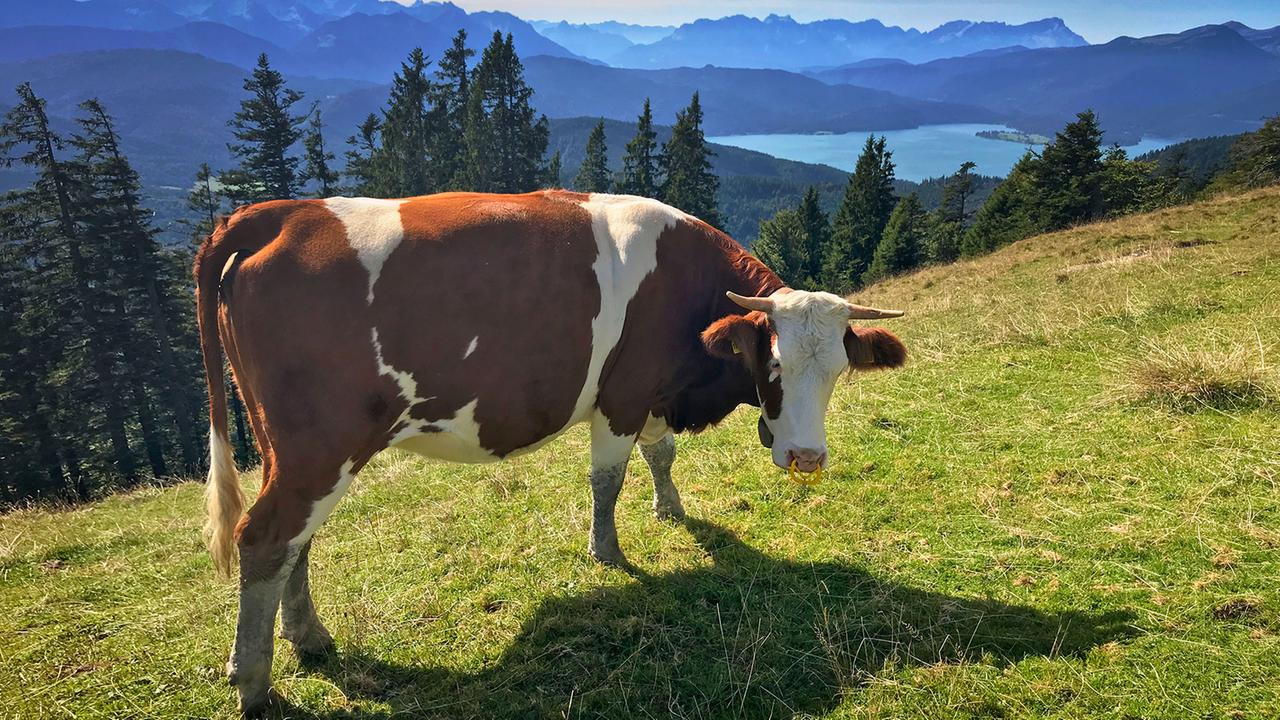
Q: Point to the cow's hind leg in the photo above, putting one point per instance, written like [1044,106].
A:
[609,455]
[666,498]
[273,538]
[299,623]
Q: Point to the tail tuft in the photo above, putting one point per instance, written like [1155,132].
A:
[224,501]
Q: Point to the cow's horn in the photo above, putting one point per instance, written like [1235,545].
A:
[861,312]
[751,303]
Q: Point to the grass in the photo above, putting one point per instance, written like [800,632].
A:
[1005,533]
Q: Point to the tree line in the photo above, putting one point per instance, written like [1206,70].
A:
[1072,180]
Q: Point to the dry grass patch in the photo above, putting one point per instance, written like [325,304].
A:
[1191,380]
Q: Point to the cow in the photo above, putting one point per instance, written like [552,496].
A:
[475,327]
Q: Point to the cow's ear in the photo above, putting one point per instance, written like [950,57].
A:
[731,336]
[873,348]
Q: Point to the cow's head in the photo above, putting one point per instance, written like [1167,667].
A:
[795,345]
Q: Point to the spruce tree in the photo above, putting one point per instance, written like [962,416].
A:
[593,175]
[318,165]
[1067,179]
[28,447]
[781,246]
[265,132]
[1006,216]
[900,246]
[688,182]
[505,141]
[450,91]
[640,163]
[71,312]
[860,221]
[361,151]
[551,178]
[402,165]
[950,218]
[817,228]
[140,277]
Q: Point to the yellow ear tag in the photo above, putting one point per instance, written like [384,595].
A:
[808,480]
[736,351]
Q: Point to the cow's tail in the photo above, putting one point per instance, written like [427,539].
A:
[224,499]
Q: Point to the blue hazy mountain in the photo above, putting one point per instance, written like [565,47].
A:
[584,39]
[212,40]
[371,47]
[734,100]
[601,40]
[781,42]
[1206,80]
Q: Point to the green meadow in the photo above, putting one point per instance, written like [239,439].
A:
[1067,505]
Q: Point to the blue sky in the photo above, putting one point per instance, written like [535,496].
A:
[1096,20]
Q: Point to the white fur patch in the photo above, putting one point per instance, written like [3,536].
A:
[321,509]
[456,439]
[374,230]
[471,347]
[810,345]
[626,230]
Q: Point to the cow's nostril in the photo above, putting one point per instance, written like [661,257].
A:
[806,459]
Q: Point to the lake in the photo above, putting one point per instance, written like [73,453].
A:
[919,153]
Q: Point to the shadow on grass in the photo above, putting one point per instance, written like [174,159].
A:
[749,636]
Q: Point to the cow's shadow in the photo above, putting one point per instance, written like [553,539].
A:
[747,636]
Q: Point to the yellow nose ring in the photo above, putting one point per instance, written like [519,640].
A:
[806,479]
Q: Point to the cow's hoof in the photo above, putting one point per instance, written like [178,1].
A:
[258,707]
[612,557]
[669,513]
[316,642]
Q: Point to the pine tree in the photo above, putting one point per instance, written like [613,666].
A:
[505,142]
[318,165]
[137,273]
[900,246]
[28,448]
[265,132]
[450,91]
[860,221]
[781,246]
[70,316]
[1067,179]
[551,178]
[1006,216]
[688,181]
[1254,159]
[593,176]
[952,215]
[817,227]
[640,163]
[361,150]
[402,165]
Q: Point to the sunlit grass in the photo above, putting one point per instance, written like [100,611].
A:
[1007,531]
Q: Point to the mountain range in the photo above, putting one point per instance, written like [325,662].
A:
[1208,80]
[781,42]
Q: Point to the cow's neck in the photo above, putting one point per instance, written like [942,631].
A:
[706,389]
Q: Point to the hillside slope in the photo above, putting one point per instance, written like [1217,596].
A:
[1007,531]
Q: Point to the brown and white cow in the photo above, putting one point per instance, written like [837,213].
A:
[472,328]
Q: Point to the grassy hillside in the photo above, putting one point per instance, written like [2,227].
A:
[1067,506]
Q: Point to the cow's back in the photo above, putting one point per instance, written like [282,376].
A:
[476,325]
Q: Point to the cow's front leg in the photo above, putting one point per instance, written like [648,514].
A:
[609,455]
[666,499]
